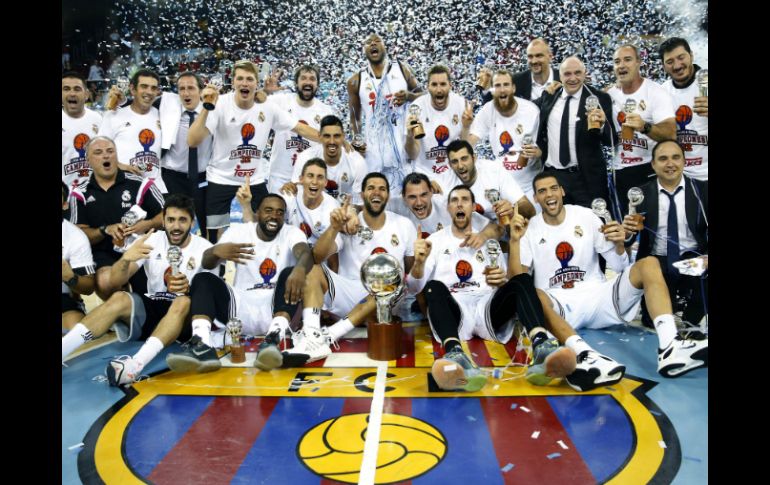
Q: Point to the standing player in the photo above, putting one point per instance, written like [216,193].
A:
[78,125]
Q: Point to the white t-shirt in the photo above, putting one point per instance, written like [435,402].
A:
[137,138]
[692,130]
[76,250]
[396,237]
[441,128]
[158,269]
[439,216]
[566,255]
[654,105]
[287,145]
[312,222]
[75,134]
[240,137]
[490,175]
[344,178]
[505,136]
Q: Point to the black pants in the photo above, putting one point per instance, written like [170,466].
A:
[178,183]
[691,289]
[575,190]
[624,180]
[518,295]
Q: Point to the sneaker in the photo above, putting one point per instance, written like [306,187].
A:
[196,357]
[683,355]
[309,345]
[455,371]
[123,370]
[269,356]
[550,361]
[594,370]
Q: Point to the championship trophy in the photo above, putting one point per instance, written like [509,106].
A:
[383,278]
[635,198]
[174,258]
[218,81]
[702,77]
[134,215]
[493,195]
[417,130]
[627,132]
[237,351]
[358,141]
[493,250]
[599,207]
[592,102]
[123,84]
[523,160]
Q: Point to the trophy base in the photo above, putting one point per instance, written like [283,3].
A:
[237,354]
[384,342]
[627,133]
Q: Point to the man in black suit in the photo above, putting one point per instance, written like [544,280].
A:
[572,148]
[531,83]
[688,216]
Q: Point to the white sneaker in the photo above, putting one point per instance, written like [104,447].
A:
[123,370]
[594,370]
[309,345]
[683,355]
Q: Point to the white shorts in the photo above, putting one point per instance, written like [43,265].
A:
[254,308]
[598,305]
[475,319]
[344,294]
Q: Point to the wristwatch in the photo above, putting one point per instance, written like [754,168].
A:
[72,281]
[647,128]
[103,230]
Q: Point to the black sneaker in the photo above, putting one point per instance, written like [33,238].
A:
[269,356]
[195,357]
[595,370]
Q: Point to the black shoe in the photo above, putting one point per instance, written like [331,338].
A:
[269,356]
[595,370]
[195,357]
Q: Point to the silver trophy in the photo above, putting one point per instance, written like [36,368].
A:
[493,251]
[635,198]
[525,140]
[123,83]
[629,107]
[174,258]
[592,102]
[702,77]
[417,130]
[599,207]
[218,81]
[493,195]
[383,278]
[237,352]
[358,140]
[129,219]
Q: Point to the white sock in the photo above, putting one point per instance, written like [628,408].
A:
[202,328]
[311,318]
[339,329]
[74,339]
[576,343]
[666,328]
[149,350]
[279,323]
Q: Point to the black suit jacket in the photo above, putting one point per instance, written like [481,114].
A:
[593,168]
[693,189]
[523,82]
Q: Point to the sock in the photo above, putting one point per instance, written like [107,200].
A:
[311,318]
[202,328]
[451,343]
[576,343]
[666,328]
[339,329]
[279,323]
[74,339]
[149,350]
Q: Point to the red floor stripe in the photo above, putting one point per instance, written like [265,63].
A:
[402,406]
[511,430]
[482,358]
[217,443]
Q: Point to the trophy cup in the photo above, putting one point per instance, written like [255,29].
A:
[417,130]
[134,215]
[358,141]
[493,251]
[635,197]
[493,195]
[218,81]
[592,102]
[702,77]
[174,258]
[122,83]
[523,160]
[628,108]
[599,207]
[237,351]
[383,278]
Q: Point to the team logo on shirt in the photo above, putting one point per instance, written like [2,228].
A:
[267,270]
[439,226]
[642,105]
[145,159]
[480,256]
[296,142]
[438,153]
[506,142]
[246,151]
[126,196]
[79,164]
[687,138]
[578,231]
[566,275]
[191,263]
[464,272]
[519,129]
[394,240]
[455,119]
[261,117]
[317,119]
[344,177]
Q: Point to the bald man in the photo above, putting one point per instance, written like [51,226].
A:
[577,160]
[531,83]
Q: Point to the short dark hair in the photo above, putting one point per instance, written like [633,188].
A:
[180,201]
[146,73]
[544,175]
[440,69]
[372,175]
[414,178]
[461,187]
[458,145]
[271,196]
[74,75]
[669,140]
[330,120]
[197,77]
[314,162]
[307,68]
[670,44]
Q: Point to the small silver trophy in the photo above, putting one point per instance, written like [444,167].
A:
[629,107]
[702,77]
[174,258]
[525,140]
[493,251]
[129,219]
[218,81]
[123,83]
[592,102]
[237,351]
[599,207]
[358,141]
[635,198]
[493,195]
[417,130]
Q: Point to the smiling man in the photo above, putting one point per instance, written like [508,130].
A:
[78,125]
[531,83]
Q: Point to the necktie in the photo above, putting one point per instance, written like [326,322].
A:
[564,157]
[672,230]
[192,157]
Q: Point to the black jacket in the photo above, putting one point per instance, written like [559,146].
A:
[523,82]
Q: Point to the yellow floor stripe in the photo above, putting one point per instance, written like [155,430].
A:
[497,352]
[423,347]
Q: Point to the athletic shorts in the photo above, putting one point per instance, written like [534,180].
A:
[146,313]
[219,198]
[475,319]
[254,308]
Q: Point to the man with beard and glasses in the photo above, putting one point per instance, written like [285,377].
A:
[531,83]
[156,317]
[272,260]
[308,110]
[692,108]
[78,125]
[240,126]
[505,122]
[378,94]
[355,238]
[136,128]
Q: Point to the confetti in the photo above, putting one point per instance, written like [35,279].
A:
[553,455]
[535,435]
[563,446]
[526,410]
[507,467]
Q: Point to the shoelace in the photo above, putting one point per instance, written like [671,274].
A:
[329,339]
